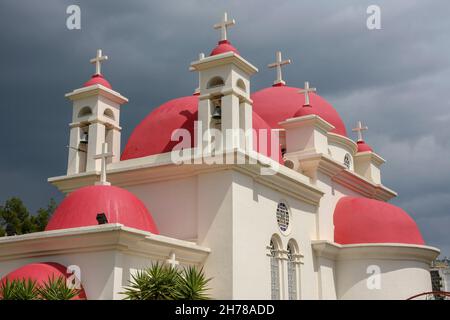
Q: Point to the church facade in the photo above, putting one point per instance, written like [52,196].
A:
[265,190]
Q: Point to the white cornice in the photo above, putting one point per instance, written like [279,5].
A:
[343,141]
[161,168]
[312,161]
[99,238]
[317,121]
[222,59]
[384,251]
[371,156]
[94,90]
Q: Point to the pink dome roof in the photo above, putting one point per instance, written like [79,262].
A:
[278,103]
[153,134]
[98,79]
[223,46]
[41,272]
[81,207]
[362,146]
[363,220]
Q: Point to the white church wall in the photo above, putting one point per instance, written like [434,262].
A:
[399,278]
[173,205]
[254,223]
[333,192]
[214,198]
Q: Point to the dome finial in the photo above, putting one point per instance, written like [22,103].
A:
[306,91]
[360,129]
[103,156]
[223,25]
[278,64]
[98,61]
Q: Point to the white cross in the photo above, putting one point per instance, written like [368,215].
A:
[104,156]
[98,61]
[223,25]
[172,260]
[200,57]
[278,64]
[360,129]
[306,91]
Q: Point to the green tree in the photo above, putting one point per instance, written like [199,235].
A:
[16,219]
[162,282]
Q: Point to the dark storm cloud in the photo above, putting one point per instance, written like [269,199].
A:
[395,79]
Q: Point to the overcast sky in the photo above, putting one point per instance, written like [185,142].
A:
[395,79]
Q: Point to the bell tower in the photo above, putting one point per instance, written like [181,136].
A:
[224,105]
[95,120]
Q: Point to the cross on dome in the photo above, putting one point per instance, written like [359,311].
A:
[172,260]
[98,61]
[306,91]
[278,64]
[103,156]
[360,129]
[223,25]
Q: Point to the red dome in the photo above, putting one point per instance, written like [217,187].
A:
[98,79]
[362,220]
[362,146]
[153,134]
[41,273]
[278,103]
[223,46]
[81,207]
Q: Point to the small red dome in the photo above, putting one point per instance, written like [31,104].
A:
[223,46]
[363,220]
[362,146]
[81,207]
[41,273]
[278,103]
[153,135]
[98,79]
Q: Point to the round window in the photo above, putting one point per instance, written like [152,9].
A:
[347,161]
[283,216]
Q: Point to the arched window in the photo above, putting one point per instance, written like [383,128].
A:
[109,113]
[215,82]
[274,250]
[85,111]
[292,255]
[240,84]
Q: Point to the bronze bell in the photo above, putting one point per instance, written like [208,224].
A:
[217,114]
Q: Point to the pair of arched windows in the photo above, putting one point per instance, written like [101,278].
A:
[277,257]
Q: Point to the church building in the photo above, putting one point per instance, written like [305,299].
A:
[266,190]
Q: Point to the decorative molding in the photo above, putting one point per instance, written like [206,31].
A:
[366,251]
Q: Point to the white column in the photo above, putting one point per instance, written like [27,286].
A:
[96,139]
[230,121]
[73,162]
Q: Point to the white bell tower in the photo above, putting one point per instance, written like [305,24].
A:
[224,95]
[95,120]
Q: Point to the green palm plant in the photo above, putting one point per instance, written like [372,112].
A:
[193,284]
[158,282]
[19,289]
[162,282]
[57,289]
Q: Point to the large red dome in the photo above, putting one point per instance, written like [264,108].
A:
[153,135]
[362,220]
[41,272]
[278,103]
[81,207]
